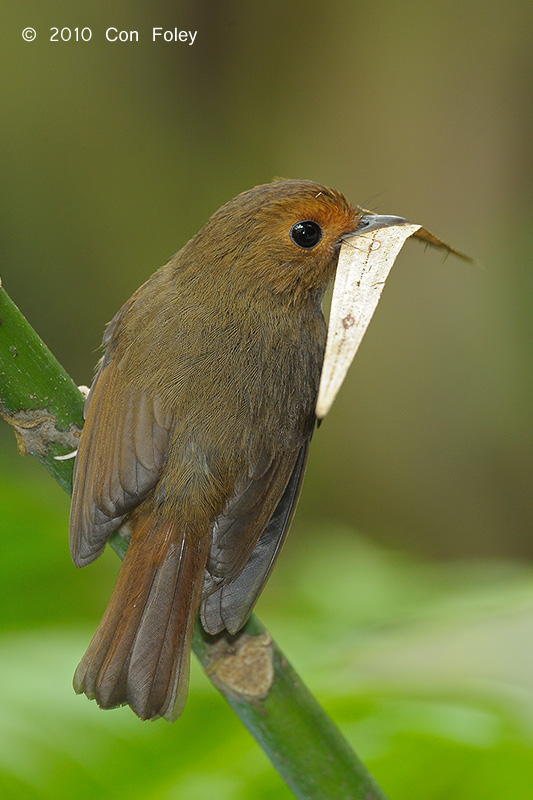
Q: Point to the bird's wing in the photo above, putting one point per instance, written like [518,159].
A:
[247,541]
[121,453]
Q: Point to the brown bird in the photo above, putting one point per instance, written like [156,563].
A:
[197,432]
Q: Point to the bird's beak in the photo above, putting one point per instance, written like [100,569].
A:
[373,222]
[365,259]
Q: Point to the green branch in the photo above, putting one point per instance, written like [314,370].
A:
[45,409]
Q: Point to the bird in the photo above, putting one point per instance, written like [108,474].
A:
[197,431]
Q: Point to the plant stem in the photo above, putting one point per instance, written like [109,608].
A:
[45,408]
[37,397]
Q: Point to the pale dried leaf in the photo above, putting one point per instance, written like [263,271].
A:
[364,264]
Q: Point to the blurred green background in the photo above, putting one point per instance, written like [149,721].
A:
[404,596]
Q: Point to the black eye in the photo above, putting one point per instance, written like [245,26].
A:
[306,234]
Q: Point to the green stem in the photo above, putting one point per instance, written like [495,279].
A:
[37,397]
[45,408]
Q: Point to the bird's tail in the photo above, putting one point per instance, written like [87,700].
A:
[140,653]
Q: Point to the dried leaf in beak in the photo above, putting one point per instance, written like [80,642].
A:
[365,261]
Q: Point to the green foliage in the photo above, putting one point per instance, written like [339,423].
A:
[424,667]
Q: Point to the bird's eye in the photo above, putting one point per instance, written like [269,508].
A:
[306,234]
